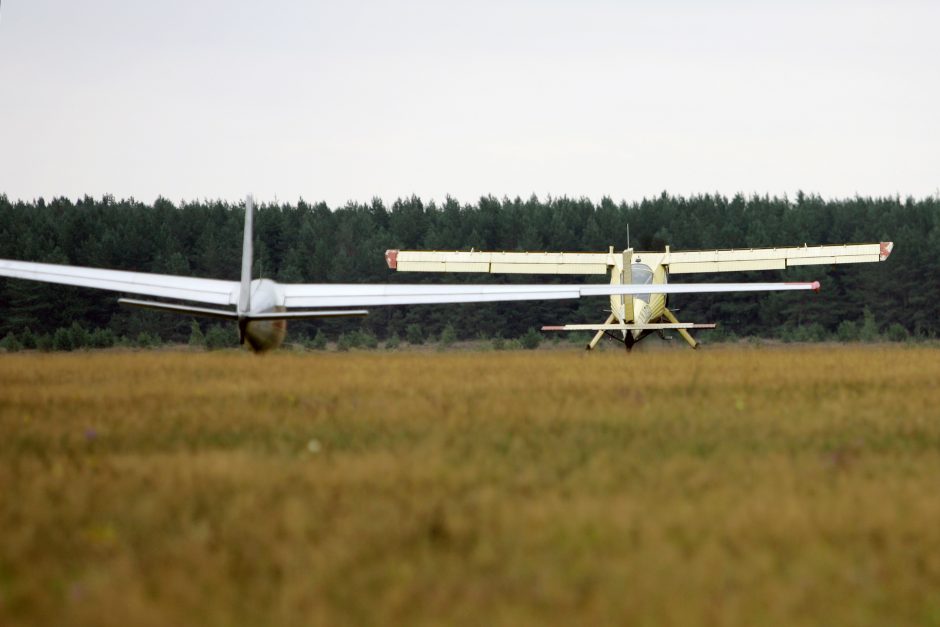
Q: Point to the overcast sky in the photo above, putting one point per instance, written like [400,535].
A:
[341,101]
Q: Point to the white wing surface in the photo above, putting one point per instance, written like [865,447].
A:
[210,291]
[371,295]
[216,292]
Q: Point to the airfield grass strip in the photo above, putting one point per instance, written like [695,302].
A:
[726,486]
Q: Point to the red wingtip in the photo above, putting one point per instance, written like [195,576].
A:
[886,248]
[816,286]
[391,258]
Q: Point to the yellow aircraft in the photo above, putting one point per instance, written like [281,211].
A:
[633,317]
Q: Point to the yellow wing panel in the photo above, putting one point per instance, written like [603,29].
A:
[498,262]
[773,258]
[678,262]
[683,267]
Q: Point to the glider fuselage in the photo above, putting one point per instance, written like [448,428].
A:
[264,335]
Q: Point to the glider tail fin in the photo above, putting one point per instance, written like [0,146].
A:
[244,295]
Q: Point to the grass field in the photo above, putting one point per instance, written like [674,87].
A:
[730,486]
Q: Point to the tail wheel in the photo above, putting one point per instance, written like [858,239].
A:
[627,342]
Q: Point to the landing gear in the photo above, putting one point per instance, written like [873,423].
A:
[671,317]
[597,336]
[627,342]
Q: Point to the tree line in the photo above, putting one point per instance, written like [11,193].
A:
[312,242]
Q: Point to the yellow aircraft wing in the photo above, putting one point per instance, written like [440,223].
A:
[498,263]
[678,262]
[772,258]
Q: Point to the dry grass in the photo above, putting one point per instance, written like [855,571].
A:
[729,486]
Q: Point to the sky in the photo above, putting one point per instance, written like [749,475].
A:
[347,101]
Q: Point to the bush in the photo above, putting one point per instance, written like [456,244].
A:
[576,338]
[197,338]
[345,342]
[808,333]
[367,339]
[414,334]
[146,340]
[10,344]
[897,333]
[531,339]
[44,342]
[721,334]
[79,336]
[448,336]
[318,343]
[355,339]
[392,342]
[62,340]
[101,338]
[27,339]
[499,344]
[219,337]
[869,330]
[847,331]
[513,345]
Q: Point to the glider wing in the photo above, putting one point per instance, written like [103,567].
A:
[372,295]
[209,291]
